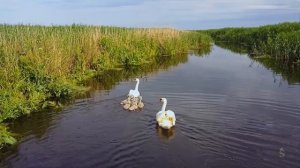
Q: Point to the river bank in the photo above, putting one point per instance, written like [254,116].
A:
[42,65]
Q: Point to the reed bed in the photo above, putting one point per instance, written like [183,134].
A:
[280,41]
[39,64]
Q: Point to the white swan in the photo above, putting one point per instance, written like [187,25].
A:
[135,92]
[165,119]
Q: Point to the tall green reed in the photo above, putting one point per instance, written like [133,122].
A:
[281,41]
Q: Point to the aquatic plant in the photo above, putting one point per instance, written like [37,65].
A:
[6,136]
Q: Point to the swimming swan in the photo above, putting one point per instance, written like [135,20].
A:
[165,119]
[134,99]
[135,92]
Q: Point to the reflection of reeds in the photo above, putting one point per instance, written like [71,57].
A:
[109,78]
[237,48]
[6,136]
[38,63]
[281,41]
[289,71]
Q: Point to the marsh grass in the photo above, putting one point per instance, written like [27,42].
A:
[40,65]
[280,41]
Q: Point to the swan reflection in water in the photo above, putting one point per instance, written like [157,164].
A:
[165,134]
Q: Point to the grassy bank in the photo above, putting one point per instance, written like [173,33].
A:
[41,65]
[280,41]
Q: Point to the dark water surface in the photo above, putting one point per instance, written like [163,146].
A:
[231,112]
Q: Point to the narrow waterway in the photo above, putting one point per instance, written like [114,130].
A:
[231,112]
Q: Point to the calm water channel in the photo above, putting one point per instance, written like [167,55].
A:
[231,112]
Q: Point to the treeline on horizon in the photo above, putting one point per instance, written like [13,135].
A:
[40,65]
[279,41]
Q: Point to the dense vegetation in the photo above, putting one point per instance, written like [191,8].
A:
[40,65]
[281,41]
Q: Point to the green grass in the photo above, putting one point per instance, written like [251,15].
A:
[40,65]
[280,41]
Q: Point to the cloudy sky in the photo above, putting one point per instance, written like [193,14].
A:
[182,14]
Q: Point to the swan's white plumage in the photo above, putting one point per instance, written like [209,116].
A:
[165,119]
[135,92]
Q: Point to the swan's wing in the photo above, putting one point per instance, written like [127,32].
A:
[172,115]
[131,92]
[169,112]
[158,115]
[136,93]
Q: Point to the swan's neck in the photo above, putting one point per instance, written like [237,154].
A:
[137,86]
[163,108]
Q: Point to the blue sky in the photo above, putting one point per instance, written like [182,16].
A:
[182,14]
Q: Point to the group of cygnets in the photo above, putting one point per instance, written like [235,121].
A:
[165,119]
